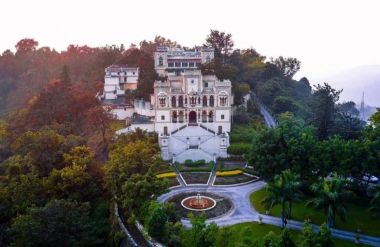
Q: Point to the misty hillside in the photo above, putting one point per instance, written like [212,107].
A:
[356,81]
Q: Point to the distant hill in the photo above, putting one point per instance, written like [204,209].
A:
[356,81]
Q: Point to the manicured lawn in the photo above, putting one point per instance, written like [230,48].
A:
[256,232]
[357,216]
[203,168]
[237,179]
[230,165]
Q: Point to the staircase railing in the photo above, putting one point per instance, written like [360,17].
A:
[180,128]
[205,128]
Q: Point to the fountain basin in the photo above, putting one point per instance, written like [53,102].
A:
[198,203]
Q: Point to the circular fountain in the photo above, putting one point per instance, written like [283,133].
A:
[198,203]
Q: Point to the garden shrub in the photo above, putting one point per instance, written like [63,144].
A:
[166,175]
[197,163]
[239,148]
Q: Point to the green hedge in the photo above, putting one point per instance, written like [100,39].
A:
[242,133]
[239,148]
[195,166]
[197,163]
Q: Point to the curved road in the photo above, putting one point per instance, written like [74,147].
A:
[269,120]
[243,211]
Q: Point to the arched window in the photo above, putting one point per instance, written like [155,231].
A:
[204,101]
[180,101]
[208,59]
[160,61]
[211,100]
[210,116]
[193,100]
[180,117]
[174,117]
[185,100]
[162,101]
[199,100]
[223,100]
[174,101]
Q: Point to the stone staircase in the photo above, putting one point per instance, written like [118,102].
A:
[195,143]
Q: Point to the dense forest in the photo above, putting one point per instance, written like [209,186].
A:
[61,167]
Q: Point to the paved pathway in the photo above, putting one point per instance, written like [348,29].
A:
[212,175]
[268,118]
[179,176]
[244,212]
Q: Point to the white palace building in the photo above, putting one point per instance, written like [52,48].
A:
[192,112]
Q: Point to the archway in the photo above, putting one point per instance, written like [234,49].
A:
[204,116]
[180,118]
[192,117]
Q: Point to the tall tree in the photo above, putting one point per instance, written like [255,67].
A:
[26,45]
[44,148]
[348,108]
[284,190]
[99,120]
[222,43]
[59,223]
[323,108]
[375,118]
[65,75]
[288,66]
[147,76]
[268,153]
[331,195]
[200,234]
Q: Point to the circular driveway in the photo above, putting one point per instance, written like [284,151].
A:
[242,210]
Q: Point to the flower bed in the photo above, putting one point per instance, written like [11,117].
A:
[166,175]
[229,173]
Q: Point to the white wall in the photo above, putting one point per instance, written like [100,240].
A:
[111,81]
[160,113]
[192,86]
[219,114]
[133,127]
[122,114]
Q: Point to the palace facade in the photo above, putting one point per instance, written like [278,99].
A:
[192,111]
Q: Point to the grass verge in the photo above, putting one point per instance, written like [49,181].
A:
[357,215]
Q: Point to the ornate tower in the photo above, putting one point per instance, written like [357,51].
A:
[362,113]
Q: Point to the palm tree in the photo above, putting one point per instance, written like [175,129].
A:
[331,196]
[375,203]
[284,190]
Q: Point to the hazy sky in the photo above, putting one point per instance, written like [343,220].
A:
[327,36]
